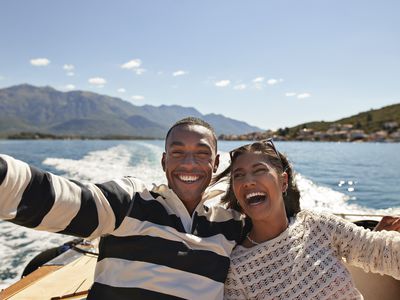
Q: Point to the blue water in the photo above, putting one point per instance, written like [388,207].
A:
[336,177]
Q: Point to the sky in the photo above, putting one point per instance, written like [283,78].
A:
[269,63]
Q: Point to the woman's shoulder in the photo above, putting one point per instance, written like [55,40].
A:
[318,218]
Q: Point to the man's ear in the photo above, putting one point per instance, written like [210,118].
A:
[163,161]
[216,163]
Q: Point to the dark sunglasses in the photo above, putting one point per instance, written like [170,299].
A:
[268,142]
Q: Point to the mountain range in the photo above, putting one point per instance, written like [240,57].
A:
[27,108]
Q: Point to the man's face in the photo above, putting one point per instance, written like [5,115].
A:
[189,162]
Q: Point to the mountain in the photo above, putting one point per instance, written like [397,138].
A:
[27,108]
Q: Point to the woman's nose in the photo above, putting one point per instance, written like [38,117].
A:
[248,181]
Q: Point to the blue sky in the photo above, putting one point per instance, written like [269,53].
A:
[269,63]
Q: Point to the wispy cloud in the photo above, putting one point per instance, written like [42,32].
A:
[139,71]
[223,83]
[2,77]
[69,87]
[274,81]
[121,90]
[97,81]
[304,95]
[179,73]
[240,87]
[137,97]
[39,62]
[70,74]
[258,79]
[134,65]
[290,94]
[68,67]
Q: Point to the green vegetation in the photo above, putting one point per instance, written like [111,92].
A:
[369,121]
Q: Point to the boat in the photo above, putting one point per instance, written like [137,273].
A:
[70,274]
[67,276]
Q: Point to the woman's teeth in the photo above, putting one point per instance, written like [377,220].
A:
[255,198]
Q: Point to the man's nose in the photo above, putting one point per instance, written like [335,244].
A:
[189,159]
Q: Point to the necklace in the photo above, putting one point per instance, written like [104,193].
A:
[251,240]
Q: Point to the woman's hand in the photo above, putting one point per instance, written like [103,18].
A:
[388,223]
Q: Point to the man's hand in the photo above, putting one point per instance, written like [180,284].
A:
[388,223]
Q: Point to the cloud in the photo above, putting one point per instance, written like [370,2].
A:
[290,94]
[223,83]
[179,73]
[303,95]
[258,79]
[137,97]
[121,90]
[39,62]
[274,81]
[140,71]
[97,81]
[70,74]
[2,77]
[68,67]
[69,87]
[132,64]
[240,87]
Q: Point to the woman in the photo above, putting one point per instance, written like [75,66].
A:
[293,254]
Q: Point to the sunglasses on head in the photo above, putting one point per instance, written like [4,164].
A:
[269,142]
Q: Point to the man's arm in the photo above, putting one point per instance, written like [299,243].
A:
[40,200]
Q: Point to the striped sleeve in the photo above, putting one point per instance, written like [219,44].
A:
[40,200]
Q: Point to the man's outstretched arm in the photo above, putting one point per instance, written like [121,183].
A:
[36,199]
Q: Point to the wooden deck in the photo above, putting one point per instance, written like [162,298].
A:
[71,281]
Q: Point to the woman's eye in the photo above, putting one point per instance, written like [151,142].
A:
[238,175]
[260,171]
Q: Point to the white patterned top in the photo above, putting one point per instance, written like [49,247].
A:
[305,261]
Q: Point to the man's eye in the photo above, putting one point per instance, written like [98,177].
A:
[176,153]
[204,154]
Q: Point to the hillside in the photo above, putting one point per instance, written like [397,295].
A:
[26,108]
[369,121]
[375,125]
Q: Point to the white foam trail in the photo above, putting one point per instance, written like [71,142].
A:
[323,198]
[115,162]
[19,245]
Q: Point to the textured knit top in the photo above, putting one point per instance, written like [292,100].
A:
[150,247]
[305,261]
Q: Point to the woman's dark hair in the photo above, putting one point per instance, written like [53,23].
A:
[280,163]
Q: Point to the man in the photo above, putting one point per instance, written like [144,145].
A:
[155,244]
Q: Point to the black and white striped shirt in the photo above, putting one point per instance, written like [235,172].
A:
[150,248]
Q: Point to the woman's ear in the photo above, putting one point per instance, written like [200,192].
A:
[285,181]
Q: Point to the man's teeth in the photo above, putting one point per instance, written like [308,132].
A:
[255,194]
[188,178]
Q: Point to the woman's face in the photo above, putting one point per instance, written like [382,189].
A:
[258,187]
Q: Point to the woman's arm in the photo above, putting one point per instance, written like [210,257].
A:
[373,251]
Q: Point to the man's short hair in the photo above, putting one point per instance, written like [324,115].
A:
[193,121]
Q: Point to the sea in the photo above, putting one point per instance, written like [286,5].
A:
[360,178]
